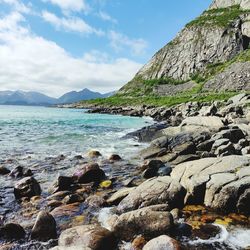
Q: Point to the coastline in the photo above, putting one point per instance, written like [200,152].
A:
[115,200]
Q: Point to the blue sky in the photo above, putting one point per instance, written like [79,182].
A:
[54,46]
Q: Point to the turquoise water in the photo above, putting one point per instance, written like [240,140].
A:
[44,131]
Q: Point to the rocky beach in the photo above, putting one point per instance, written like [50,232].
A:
[188,189]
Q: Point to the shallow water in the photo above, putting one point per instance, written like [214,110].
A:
[43,131]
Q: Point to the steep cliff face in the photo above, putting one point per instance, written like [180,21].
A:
[217,36]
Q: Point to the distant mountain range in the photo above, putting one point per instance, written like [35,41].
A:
[36,98]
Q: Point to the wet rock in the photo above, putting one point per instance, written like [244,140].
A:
[63,183]
[162,242]
[115,157]
[72,198]
[4,171]
[205,146]
[44,228]
[185,158]
[149,221]
[94,154]
[95,201]
[152,164]
[183,229]
[19,172]
[206,232]
[27,187]
[54,203]
[147,134]
[59,195]
[12,231]
[158,190]
[91,237]
[138,243]
[165,171]
[66,210]
[90,173]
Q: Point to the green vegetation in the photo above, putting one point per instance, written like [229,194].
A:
[221,17]
[122,100]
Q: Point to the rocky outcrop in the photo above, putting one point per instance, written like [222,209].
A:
[234,78]
[220,183]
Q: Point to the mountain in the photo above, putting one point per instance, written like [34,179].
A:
[36,98]
[85,94]
[25,98]
[211,53]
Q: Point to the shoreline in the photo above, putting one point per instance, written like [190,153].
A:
[170,181]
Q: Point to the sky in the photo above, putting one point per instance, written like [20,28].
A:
[56,46]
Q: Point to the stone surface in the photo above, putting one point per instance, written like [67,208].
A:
[217,182]
[44,228]
[27,187]
[162,242]
[160,190]
[149,221]
[12,231]
[91,237]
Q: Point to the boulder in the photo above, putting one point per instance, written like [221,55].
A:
[158,190]
[94,154]
[150,221]
[44,228]
[162,242]
[27,187]
[118,196]
[233,134]
[212,122]
[4,171]
[90,173]
[63,183]
[12,231]
[87,237]
[115,157]
[218,183]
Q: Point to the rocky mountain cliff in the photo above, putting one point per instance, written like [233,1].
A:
[205,48]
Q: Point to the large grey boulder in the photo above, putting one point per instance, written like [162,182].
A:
[216,182]
[150,221]
[160,190]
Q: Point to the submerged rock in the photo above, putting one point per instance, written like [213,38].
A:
[27,187]
[44,228]
[90,173]
[4,171]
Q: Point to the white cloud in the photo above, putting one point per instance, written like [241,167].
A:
[106,17]
[119,42]
[69,24]
[70,5]
[30,62]
[17,5]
